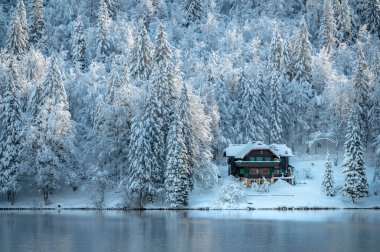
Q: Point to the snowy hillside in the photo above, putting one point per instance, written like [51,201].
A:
[132,102]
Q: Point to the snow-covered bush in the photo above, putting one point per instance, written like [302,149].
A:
[264,187]
[232,192]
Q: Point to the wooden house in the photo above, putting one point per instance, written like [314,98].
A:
[253,161]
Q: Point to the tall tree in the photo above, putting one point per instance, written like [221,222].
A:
[328,179]
[345,23]
[328,29]
[11,139]
[102,42]
[142,54]
[17,35]
[276,107]
[52,132]
[37,29]
[78,45]
[193,9]
[372,16]
[355,184]
[177,174]
[361,95]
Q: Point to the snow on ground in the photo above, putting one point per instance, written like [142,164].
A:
[306,193]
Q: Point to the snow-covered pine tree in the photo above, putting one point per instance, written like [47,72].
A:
[372,16]
[11,139]
[375,111]
[276,52]
[37,29]
[355,184]
[113,6]
[177,174]
[362,93]
[194,9]
[276,107]
[103,44]
[328,183]
[251,121]
[52,132]
[142,54]
[17,36]
[141,163]
[302,54]
[328,28]
[188,133]
[78,44]
[163,80]
[345,23]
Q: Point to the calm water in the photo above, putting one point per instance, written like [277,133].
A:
[190,231]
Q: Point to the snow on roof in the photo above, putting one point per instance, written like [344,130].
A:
[240,150]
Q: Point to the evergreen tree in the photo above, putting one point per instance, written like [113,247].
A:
[302,54]
[17,35]
[328,27]
[193,9]
[102,41]
[141,163]
[163,81]
[328,179]
[361,95]
[372,16]
[276,53]
[11,138]
[276,108]
[37,29]
[78,44]
[177,173]
[142,56]
[345,23]
[52,133]
[355,184]
[251,121]
[113,6]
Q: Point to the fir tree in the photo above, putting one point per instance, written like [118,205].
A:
[37,29]
[372,16]
[328,179]
[52,133]
[276,53]
[355,184]
[193,9]
[251,120]
[113,6]
[328,27]
[11,139]
[141,163]
[276,108]
[345,23]
[142,56]
[177,171]
[102,41]
[302,54]
[78,44]
[17,35]
[361,95]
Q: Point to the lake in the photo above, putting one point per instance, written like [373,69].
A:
[176,231]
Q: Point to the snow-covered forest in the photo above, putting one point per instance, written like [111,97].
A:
[143,95]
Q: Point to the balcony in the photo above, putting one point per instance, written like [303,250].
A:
[268,164]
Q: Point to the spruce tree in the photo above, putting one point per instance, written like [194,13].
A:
[355,184]
[78,45]
[52,132]
[142,54]
[345,23]
[37,29]
[251,121]
[163,81]
[276,107]
[361,94]
[102,41]
[328,179]
[11,139]
[276,53]
[193,9]
[328,29]
[141,163]
[372,16]
[302,54]
[17,36]
[177,174]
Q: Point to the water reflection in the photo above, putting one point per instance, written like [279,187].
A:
[190,231]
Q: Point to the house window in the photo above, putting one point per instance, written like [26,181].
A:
[259,158]
[242,171]
[258,171]
[252,159]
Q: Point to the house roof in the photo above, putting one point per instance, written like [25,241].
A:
[241,150]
